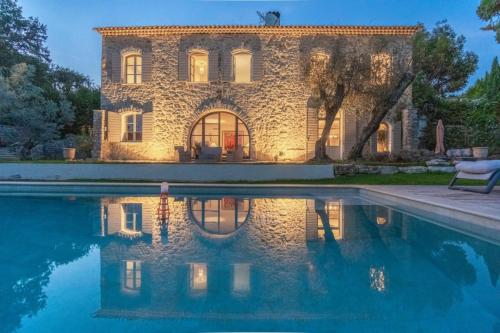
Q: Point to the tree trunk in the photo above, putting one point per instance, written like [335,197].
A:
[332,107]
[378,114]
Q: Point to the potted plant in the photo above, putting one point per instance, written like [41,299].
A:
[481,153]
[69,153]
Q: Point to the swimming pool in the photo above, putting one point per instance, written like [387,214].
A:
[238,260]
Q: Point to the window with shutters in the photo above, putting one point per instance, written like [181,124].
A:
[334,135]
[242,66]
[132,68]
[132,127]
[198,66]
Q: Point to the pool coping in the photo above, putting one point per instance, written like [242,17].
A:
[374,189]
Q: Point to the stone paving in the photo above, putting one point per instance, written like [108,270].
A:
[484,205]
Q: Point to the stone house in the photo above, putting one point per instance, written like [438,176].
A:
[234,88]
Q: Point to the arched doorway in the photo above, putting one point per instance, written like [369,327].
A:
[383,138]
[219,216]
[220,129]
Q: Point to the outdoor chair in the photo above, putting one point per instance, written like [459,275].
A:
[210,154]
[236,155]
[488,170]
[182,155]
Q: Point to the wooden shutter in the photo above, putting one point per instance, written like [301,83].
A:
[147,126]
[148,217]
[183,66]
[257,68]
[114,127]
[114,218]
[227,66]
[116,66]
[213,65]
[312,131]
[147,66]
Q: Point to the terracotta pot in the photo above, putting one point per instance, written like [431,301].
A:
[69,153]
[480,153]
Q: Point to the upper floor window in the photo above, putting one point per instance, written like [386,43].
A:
[319,60]
[242,66]
[198,66]
[133,69]
[380,68]
[133,127]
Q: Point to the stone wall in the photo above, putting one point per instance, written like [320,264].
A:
[273,106]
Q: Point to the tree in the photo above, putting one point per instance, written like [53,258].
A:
[354,69]
[489,11]
[24,108]
[385,103]
[20,37]
[441,65]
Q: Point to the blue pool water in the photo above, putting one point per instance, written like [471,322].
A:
[331,261]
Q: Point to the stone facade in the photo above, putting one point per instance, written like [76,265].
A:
[275,106]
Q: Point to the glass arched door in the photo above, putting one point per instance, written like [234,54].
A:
[220,129]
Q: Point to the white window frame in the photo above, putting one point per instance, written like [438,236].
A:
[235,53]
[196,52]
[135,136]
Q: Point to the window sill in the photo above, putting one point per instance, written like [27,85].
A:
[132,84]
[242,83]
[195,83]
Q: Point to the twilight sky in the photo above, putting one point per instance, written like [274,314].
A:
[74,44]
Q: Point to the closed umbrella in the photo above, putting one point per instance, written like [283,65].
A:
[440,138]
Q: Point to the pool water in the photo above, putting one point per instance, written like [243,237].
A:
[226,262]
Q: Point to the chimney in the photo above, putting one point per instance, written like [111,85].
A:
[270,18]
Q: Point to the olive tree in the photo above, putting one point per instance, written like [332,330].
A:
[369,74]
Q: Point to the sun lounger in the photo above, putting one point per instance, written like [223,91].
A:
[488,170]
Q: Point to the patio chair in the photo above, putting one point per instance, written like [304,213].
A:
[182,155]
[488,170]
[210,154]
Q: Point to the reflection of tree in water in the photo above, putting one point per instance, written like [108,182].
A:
[44,233]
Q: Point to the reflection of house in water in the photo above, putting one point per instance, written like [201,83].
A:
[291,257]
[220,216]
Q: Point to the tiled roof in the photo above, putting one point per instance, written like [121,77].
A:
[258,29]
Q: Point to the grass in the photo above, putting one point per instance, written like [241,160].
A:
[429,178]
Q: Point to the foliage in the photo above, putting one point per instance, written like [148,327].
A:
[39,100]
[489,11]
[472,119]
[25,108]
[441,65]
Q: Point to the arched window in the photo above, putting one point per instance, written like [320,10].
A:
[221,129]
[198,66]
[380,68]
[242,66]
[132,125]
[221,216]
[133,68]
[383,138]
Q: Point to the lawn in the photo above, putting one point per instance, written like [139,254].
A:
[430,178]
